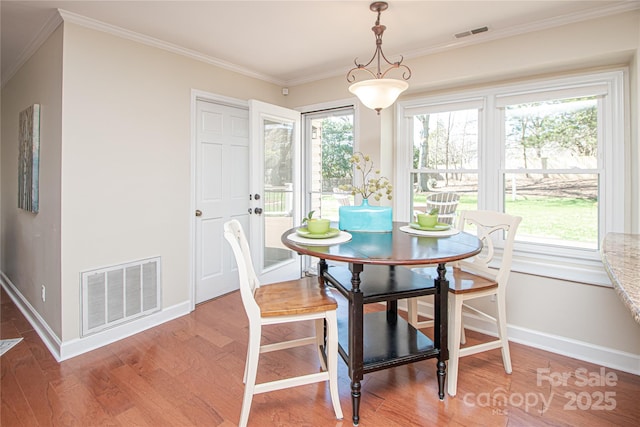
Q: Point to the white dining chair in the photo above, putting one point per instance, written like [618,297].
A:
[342,197]
[446,203]
[475,278]
[292,301]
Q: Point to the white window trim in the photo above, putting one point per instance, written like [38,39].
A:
[572,264]
[309,267]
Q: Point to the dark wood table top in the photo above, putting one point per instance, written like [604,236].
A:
[395,248]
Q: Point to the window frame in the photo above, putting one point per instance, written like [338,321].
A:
[307,117]
[549,260]
[308,114]
[461,105]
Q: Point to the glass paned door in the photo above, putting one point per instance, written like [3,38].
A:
[278,189]
[276,182]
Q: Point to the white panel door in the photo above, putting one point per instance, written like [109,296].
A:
[222,193]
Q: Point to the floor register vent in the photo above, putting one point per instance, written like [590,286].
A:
[118,294]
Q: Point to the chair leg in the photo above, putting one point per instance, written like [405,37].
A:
[455,315]
[320,342]
[502,333]
[246,363]
[463,336]
[251,371]
[412,311]
[332,360]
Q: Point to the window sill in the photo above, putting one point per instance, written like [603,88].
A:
[572,269]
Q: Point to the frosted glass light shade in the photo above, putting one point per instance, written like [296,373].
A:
[378,93]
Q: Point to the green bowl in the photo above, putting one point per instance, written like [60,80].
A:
[318,226]
[426,220]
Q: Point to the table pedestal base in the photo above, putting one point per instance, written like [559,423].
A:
[391,341]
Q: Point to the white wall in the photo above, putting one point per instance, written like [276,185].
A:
[538,307]
[127,157]
[31,242]
[634,161]
[586,313]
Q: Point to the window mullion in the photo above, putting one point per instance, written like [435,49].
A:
[402,187]
[492,158]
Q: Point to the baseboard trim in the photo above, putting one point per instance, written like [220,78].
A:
[66,350]
[581,350]
[46,334]
[78,346]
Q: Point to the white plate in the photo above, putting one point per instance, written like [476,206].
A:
[304,232]
[443,233]
[340,238]
[440,226]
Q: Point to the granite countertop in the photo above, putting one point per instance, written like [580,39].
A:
[621,258]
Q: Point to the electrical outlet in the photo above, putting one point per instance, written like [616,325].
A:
[44,294]
[493,298]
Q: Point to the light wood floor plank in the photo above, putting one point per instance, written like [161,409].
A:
[188,372]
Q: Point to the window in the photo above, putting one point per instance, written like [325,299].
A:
[329,137]
[551,174]
[329,145]
[445,155]
[550,151]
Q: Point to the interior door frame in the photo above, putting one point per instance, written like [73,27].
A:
[197,95]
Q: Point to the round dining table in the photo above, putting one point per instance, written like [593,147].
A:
[368,267]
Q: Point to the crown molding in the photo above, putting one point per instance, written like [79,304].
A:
[94,24]
[38,40]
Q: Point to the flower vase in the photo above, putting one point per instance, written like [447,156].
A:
[375,219]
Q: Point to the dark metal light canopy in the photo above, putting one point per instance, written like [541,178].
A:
[379,92]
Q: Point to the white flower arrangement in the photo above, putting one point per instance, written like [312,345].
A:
[377,186]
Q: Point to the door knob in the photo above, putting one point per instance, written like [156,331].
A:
[198,212]
[258,211]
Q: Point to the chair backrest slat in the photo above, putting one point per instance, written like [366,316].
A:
[249,282]
[491,227]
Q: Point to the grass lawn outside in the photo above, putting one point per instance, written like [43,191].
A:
[566,221]
[546,219]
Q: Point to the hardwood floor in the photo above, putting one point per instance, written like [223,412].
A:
[188,372]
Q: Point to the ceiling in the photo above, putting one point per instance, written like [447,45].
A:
[289,42]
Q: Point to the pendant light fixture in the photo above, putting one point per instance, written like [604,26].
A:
[379,92]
